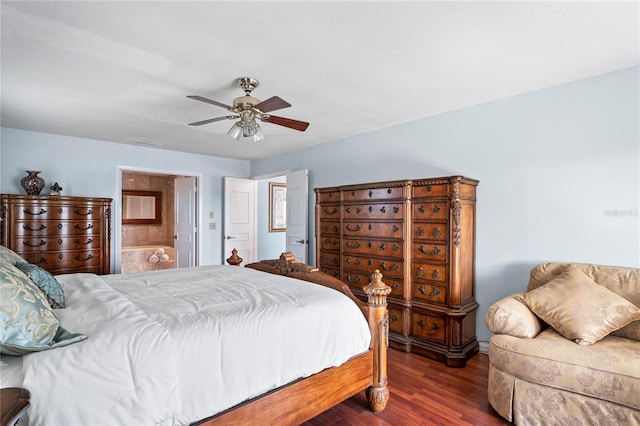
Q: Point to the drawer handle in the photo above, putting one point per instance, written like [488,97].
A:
[396,209]
[358,209]
[78,212]
[434,292]
[60,256]
[420,323]
[420,272]
[29,228]
[395,228]
[394,318]
[435,274]
[383,246]
[369,244]
[28,243]
[27,211]
[332,211]
[347,260]
[429,188]
[370,194]
[389,191]
[357,228]
[421,209]
[395,247]
[89,241]
[370,227]
[435,250]
[436,232]
[351,280]
[59,226]
[395,285]
[383,209]
[419,232]
[59,240]
[42,260]
[435,327]
[78,258]
[436,209]
[356,244]
[89,226]
[358,261]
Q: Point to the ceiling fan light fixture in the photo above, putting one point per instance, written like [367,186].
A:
[236,131]
[259,136]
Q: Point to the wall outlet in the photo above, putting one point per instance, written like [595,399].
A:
[212,226]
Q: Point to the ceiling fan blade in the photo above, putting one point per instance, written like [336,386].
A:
[211,120]
[287,122]
[209,101]
[272,104]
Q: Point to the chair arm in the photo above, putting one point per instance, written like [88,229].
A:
[511,316]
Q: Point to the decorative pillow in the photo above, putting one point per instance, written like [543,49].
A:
[511,316]
[27,322]
[9,256]
[47,283]
[580,309]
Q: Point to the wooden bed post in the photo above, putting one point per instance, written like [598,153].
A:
[377,291]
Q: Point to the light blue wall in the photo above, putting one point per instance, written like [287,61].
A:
[270,244]
[554,167]
[86,167]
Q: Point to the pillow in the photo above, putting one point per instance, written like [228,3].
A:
[511,316]
[580,309]
[47,283]
[10,256]
[27,322]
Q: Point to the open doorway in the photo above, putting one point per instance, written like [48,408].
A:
[149,243]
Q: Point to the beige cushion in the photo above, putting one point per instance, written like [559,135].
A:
[580,309]
[511,316]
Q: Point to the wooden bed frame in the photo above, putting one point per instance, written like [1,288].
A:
[304,399]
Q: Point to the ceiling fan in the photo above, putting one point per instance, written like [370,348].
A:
[250,109]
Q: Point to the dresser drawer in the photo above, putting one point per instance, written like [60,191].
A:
[430,251]
[383,193]
[335,273]
[395,284]
[50,227]
[428,327]
[368,265]
[373,229]
[430,292]
[330,212]
[330,260]
[373,211]
[430,231]
[396,320]
[431,210]
[389,249]
[65,259]
[52,212]
[47,243]
[430,190]
[330,227]
[330,243]
[431,272]
[328,195]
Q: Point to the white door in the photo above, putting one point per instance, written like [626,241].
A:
[297,217]
[185,227]
[239,218]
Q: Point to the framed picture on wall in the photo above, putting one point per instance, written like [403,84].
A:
[277,207]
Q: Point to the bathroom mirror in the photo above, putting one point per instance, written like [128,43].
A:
[141,207]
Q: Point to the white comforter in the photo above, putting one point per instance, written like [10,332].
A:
[172,347]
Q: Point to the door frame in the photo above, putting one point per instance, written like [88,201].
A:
[116,211]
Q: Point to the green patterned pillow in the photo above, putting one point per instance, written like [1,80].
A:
[27,322]
[47,283]
[10,256]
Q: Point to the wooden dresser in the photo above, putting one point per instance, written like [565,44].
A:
[421,235]
[58,233]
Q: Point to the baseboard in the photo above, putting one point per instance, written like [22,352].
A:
[484,347]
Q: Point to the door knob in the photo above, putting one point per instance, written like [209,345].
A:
[229,237]
[300,241]
[175,237]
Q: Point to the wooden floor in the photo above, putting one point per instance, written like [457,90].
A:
[423,392]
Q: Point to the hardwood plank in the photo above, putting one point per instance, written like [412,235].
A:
[423,392]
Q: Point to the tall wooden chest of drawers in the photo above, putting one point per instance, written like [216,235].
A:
[421,235]
[58,233]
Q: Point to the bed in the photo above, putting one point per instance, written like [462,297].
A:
[164,370]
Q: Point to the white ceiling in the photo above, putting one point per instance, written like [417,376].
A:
[121,71]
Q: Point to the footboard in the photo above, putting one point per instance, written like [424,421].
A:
[306,398]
